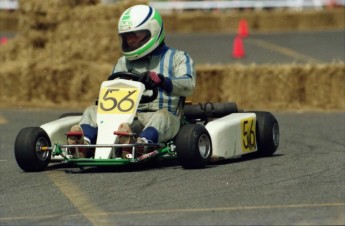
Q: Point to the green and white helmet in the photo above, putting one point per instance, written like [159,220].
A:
[141,18]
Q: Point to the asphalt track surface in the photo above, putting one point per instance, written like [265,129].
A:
[302,184]
[263,48]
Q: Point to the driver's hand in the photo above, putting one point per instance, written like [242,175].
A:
[152,79]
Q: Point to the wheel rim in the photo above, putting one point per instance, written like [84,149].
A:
[42,155]
[275,133]
[204,146]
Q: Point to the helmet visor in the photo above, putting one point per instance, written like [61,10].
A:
[134,39]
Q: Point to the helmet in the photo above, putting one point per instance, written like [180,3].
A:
[141,18]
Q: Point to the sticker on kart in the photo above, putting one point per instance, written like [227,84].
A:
[117,100]
[248,128]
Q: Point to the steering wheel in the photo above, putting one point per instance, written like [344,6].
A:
[136,77]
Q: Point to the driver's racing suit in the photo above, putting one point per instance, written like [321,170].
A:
[163,114]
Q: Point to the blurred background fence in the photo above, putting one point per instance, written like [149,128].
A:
[170,6]
[244,4]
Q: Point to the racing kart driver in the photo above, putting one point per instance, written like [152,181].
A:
[142,36]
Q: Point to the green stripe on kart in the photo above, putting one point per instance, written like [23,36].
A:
[99,162]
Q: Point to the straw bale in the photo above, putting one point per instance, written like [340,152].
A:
[282,87]
[50,12]
[258,21]
[8,20]
[65,49]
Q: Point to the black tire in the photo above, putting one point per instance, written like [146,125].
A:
[193,146]
[267,133]
[70,114]
[27,149]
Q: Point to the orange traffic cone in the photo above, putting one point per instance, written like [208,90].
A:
[331,3]
[243,28]
[238,48]
[3,40]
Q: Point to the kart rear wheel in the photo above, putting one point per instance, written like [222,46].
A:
[27,149]
[267,133]
[193,146]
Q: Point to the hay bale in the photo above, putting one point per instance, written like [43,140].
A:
[8,20]
[67,48]
[258,21]
[282,87]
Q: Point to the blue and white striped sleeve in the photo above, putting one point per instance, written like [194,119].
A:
[184,74]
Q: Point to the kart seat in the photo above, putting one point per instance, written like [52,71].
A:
[212,110]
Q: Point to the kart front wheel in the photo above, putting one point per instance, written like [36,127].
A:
[193,146]
[27,150]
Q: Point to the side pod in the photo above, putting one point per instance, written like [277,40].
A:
[233,135]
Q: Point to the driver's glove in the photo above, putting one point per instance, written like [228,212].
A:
[152,79]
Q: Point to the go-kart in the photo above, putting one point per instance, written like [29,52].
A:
[208,132]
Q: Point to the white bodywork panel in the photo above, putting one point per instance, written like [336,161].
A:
[233,135]
[57,129]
